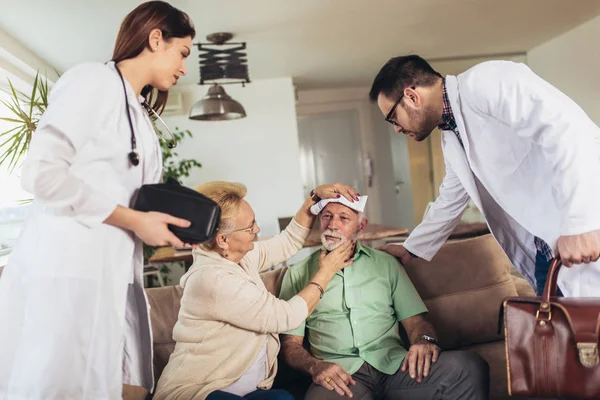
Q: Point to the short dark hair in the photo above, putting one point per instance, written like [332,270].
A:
[401,72]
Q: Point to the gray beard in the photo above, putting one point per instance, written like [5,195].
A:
[331,245]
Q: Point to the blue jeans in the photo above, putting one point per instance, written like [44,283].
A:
[274,394]
[542,265]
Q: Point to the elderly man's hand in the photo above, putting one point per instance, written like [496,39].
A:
[397,251]
[336,190]
[577,249]
[419,359]
[333,377]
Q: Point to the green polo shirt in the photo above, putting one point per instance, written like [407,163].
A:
[357,318]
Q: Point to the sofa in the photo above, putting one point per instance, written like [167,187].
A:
[463,288]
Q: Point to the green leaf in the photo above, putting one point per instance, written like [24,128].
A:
[33,91]
[16,153]
[8,132]
[18,121]
[7,153]
[13,138]
[25,110]
[13,91]
[14,107]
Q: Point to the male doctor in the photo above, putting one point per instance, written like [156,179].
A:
[524,152]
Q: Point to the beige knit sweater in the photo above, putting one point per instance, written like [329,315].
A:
[226,314]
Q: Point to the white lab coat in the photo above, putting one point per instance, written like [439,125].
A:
[74,319]
[530,162]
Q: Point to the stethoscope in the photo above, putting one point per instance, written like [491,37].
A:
[133,156]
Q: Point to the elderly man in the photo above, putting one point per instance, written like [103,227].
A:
[356,350]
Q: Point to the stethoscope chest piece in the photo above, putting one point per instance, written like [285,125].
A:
[134,158]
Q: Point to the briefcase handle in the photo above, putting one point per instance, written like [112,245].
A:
[544,313]
[552,279]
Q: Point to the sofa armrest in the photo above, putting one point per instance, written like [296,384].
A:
[523,287]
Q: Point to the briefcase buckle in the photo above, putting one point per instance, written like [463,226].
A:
[588,354]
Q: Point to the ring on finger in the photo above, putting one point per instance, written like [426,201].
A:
[328,379]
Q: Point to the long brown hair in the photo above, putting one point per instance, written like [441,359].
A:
[133,38]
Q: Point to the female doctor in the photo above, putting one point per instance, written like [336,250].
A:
[74,319]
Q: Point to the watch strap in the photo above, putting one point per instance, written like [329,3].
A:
[430,339]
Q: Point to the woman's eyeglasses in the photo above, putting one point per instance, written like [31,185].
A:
[250,229]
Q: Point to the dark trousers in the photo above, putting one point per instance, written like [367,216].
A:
[542,265]
[256,395]
[457,375]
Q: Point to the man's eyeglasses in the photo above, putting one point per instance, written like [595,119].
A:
[250,229]
[390,115]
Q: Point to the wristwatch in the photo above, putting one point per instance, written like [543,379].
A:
[430,339]
[314,197]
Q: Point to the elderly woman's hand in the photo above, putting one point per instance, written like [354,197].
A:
[337,259]
[336,190]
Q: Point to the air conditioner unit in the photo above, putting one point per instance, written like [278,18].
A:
[174,104]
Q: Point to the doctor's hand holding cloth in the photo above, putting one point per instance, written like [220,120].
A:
[74,320]
[521,150]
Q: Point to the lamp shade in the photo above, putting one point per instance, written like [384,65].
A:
[217,106]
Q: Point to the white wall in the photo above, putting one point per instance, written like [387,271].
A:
[353,98]
[260,151]
[571,62]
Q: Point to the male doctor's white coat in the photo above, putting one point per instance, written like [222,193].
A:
[74,321]
[530,162]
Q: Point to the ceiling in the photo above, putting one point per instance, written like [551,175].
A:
[320,43]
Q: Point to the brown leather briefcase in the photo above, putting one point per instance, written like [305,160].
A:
[552,343]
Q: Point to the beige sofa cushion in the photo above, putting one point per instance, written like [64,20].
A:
[164,309]
[463,287]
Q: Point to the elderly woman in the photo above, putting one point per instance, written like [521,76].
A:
[226,335]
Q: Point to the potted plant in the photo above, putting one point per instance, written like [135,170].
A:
[26,110]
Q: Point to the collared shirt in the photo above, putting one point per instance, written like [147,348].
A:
[356,320]
[449,124]
[543,248]
[448,121]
